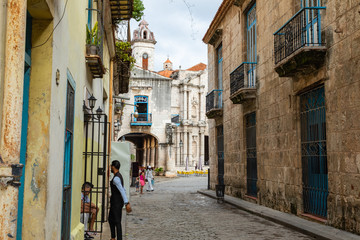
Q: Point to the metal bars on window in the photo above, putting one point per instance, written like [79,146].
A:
[313,152]
[251,156]
[220,153]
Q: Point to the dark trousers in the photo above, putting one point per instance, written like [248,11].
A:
[116,230]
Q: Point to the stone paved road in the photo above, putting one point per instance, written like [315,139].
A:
[176,211]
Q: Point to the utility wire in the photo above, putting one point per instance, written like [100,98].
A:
[52,32]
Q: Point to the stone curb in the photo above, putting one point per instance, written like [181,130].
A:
[316,230]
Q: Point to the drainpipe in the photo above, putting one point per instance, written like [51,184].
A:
[110,113]
[10,169]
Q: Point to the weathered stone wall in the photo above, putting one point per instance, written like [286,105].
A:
[277,109]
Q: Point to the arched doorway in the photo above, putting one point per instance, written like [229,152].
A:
[146,148]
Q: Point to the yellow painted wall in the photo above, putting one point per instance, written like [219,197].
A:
[77,228]
[35,197]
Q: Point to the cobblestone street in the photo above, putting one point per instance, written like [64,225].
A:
[176,211]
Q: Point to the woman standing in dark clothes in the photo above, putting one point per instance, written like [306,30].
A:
[117,200]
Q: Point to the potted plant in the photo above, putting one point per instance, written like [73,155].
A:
[159,171]
[92,39]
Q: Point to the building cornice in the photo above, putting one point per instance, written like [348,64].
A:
[213,30]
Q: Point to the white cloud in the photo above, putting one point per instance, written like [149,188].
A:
[179,34]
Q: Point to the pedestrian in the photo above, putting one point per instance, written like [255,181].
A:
[149,177]
[117,200]
[142,181]
[196,167]
[137,184]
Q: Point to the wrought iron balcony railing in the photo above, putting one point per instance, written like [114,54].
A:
[244,76]
[214,102]
[243,83]
[302,30]
[144,119]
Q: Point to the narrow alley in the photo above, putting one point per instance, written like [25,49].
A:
[176,211]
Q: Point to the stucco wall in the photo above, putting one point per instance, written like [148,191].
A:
[144,47]
[2,52]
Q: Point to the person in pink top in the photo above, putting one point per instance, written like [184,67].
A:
[142,181]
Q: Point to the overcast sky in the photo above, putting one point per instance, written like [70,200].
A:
[178,32]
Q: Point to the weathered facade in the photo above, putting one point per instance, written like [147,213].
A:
[46,78]
[283,102]
[171,109]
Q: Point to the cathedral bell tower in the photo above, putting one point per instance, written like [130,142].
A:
[143,46]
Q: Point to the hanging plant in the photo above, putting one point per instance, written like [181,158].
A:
[123,53]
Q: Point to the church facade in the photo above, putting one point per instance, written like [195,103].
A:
[167,122]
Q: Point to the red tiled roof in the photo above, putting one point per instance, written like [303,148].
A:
[166,73]
[198,67]
[168,61]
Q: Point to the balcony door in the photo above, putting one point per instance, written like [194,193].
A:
[142,108]
[251,45]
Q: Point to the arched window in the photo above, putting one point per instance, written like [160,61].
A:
[145,61]
[145,34]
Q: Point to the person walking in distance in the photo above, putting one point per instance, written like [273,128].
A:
[142,181]
[149,177]
[117,200]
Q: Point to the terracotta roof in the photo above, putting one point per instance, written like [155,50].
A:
[168,61]
[166,73]
[198,67]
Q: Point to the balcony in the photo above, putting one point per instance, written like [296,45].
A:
[214,104]
[243,83]
[95,49]
[121,9]
[144,119]
[298,45]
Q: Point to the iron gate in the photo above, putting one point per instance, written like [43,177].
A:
[251,158]
[220,151]
[96,162]
[313,152]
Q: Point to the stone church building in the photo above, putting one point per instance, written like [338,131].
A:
[170,130]
[284,106]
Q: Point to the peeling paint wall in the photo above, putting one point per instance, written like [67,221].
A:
[36,168]
[2,52]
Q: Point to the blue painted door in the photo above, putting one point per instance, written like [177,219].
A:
[68,158]
[24,123]
[220,67]
[313,152]
[251,45]
[251,156]
[312,23]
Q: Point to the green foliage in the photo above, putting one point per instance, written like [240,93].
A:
[93,36]
[158,170]
[123,52]
[138,10]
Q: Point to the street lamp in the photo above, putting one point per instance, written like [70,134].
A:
[181,144]
[92,101]
[99,112]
